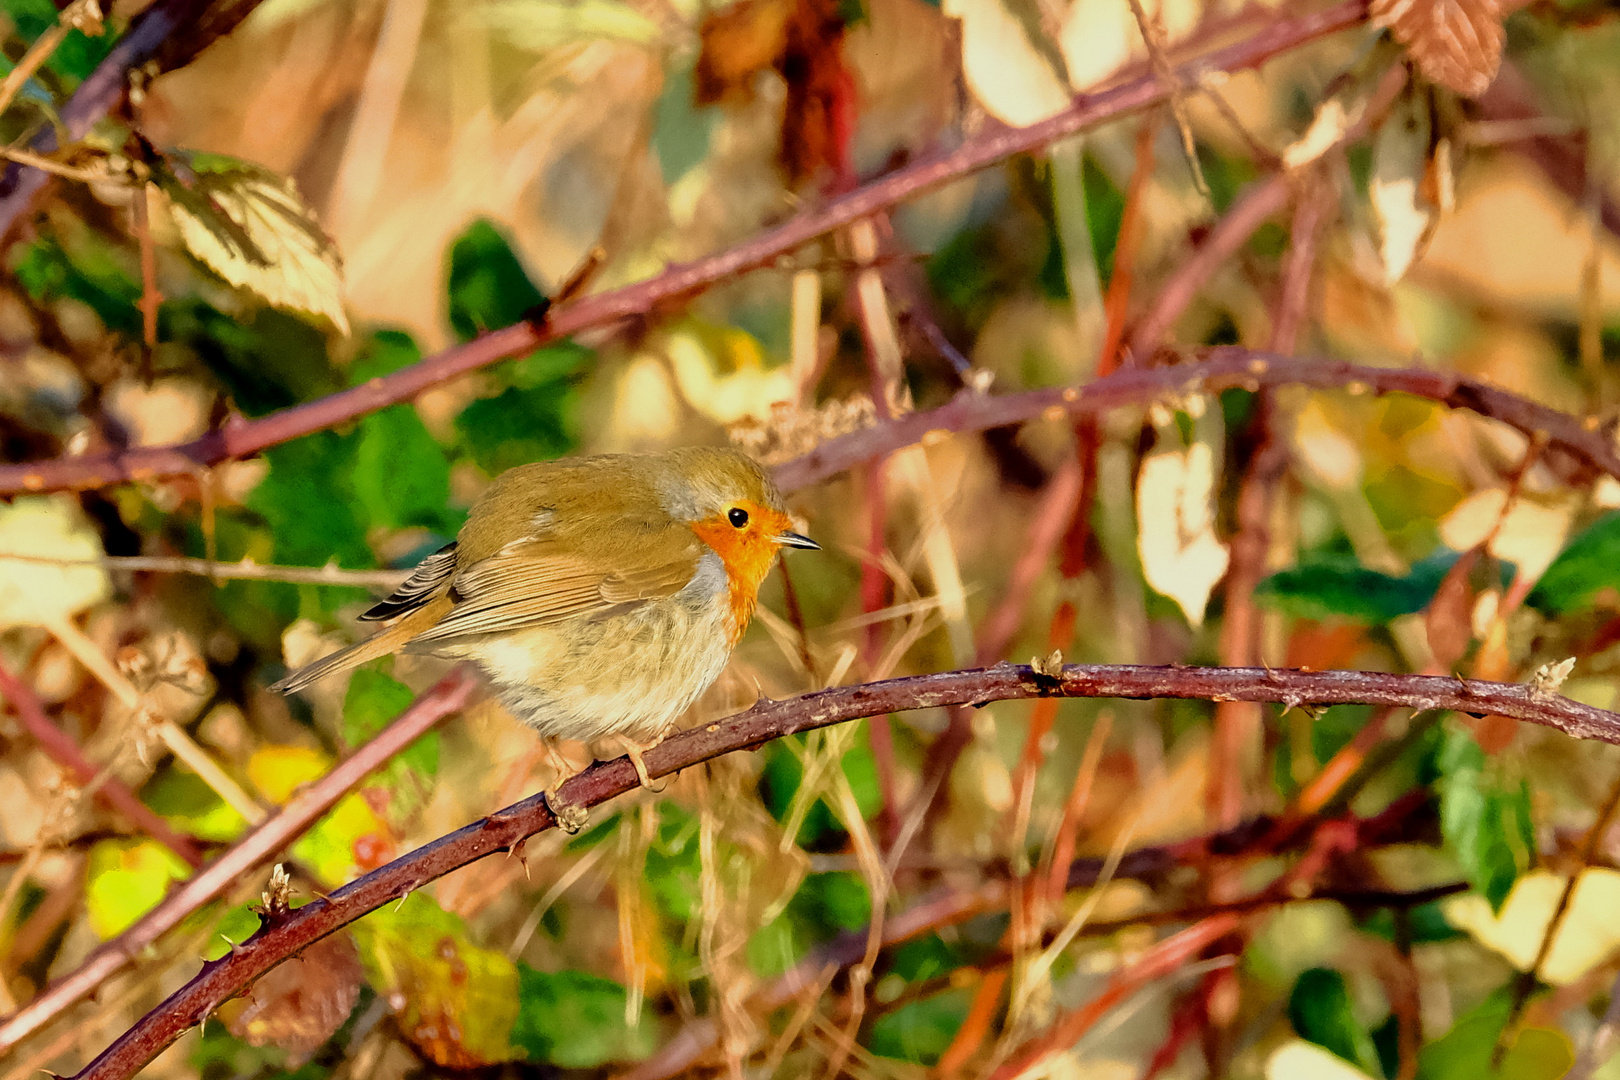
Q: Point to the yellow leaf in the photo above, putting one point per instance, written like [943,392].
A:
[1301,1060]
[252,228]
[33,593]
[1588,935]
[1400,157]
[1175,512]
[1013,76]
[277,771]
[1530,537]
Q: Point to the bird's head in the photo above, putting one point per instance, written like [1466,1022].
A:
[734,508]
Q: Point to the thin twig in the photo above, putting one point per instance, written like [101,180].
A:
[109,789]
[246,570]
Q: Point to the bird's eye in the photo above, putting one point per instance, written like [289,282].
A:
[737,516]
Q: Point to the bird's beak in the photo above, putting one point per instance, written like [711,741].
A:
[798,540]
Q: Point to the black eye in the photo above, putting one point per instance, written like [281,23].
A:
[737,516]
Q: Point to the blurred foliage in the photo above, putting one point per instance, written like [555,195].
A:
[309,233]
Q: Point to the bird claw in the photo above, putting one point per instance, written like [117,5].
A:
[570,818]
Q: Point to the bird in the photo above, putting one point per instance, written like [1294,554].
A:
[600,595]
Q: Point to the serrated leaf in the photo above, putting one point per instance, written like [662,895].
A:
[1456,43]
[252,228]
[575,1020]
[1484,820]
[1400,159]
[33,593]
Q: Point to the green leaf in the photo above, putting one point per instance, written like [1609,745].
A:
[1326,586]
[457,1000]
[374,701]
[126,879]
[575,1020]
[385,353]
[190,805]
[1465,1052]
[401,476]
[267,361]
[251,226]
[1484,821]
[1320,1011]
[488,287]
[1588,566]
[78,53]
[309,504]
[922,1030]
[519,426]
[83,267]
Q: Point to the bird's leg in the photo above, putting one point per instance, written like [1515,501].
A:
[570,818]
[635,750]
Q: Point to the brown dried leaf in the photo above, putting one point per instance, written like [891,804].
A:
[1449,619]
[1456,43]
[298,1005]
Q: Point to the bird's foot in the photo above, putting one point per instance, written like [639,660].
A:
[571,817]
[635,750]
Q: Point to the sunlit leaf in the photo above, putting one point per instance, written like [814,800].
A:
[1586,570]
[252,228]
[1528,536]
[1175,513]
[125,879]
[1301,1060]
[1400,158]
[453,1000]
[575,1020]
[34,593]
[1013,69]
[1586,938]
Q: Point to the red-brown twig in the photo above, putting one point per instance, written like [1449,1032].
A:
[767,720]
[243,438]
[1220,369]
[255,848]
[109,789]
[1253,208]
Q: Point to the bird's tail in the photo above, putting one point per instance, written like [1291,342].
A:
[385,641]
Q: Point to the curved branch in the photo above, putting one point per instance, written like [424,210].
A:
[256,847]
[242,438]
[1222,368]
[287,933]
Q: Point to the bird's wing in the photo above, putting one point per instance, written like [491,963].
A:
[430,574]
[538,580]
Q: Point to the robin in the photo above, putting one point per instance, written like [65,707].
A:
[600,595]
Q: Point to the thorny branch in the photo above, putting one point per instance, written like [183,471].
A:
[219,980]
[242,438]
[255,848]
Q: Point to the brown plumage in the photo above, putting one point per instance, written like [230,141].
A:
[601,595]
